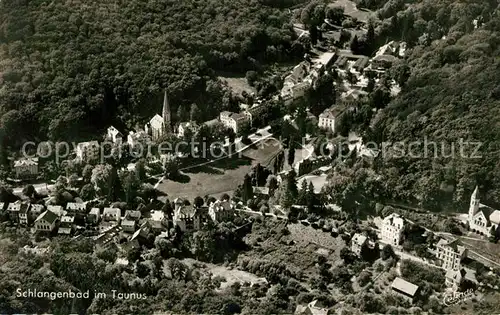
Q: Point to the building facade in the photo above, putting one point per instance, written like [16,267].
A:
[392,229]
[481,218]
[46,222]
[88,151]
[114,135]
[220,210]
[26,168]
[450,253]
[235,121]
[357,243]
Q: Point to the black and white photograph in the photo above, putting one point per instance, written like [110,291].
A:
[253,157]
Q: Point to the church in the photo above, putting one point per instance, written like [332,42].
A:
[481,218]
[160,125]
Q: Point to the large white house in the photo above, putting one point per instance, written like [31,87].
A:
[114,135]
[235,121]
[392,229]
[26,167]
[185,126]
[328,119]
[450,253]
[87,151]
[482,219]
[46,222]
[220,210]
[357,243]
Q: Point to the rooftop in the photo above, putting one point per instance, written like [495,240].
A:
[26,162]
[48,216]
[404,286]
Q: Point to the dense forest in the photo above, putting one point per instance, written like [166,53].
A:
[71,67]
[450,95]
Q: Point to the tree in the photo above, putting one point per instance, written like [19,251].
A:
[101,177]
[370,38]
[247,189]
[272,183]
[251,77]
[198,202]
[73,180]
[291,153]
[140,169]
[355,46]
[313,34]
[194,113]
[87,192]
[302,197]
[29,191]
[87,173]
[347,256]
[335,15]
[387,252]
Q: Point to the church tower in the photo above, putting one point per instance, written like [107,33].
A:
[166,114]
[474,203]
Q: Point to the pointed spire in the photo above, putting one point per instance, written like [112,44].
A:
[166,112]
[475,193]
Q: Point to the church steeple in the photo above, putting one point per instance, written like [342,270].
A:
[166,113]
[474,203]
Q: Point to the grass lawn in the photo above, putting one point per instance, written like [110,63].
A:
[221,176]
[238,84]
[350,9]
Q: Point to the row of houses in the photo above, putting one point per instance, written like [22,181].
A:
[66,220]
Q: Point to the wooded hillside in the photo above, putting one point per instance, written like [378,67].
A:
[69,66]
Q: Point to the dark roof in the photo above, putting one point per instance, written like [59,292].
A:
[48,216]
[24,208]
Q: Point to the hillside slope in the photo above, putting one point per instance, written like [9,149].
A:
[451,97]
[69,66]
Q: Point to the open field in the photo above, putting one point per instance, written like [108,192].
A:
[350,9]
[221,176]
[231,276]
[238,84]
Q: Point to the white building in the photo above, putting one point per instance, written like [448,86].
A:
[137,138]
[454,278]
[235,121]
[220,210]
[357,243]
[450,253]
[94,215]
[128,225]
[24,213]
[88,151]
[185,126]
[482,219]
[392,229]
[187,218]
[46,222]
[160,125]
[155,127]
[67,225]
[111,215]
[114,135]
[328,119]
[405,289]
[76,207]
[26,167]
